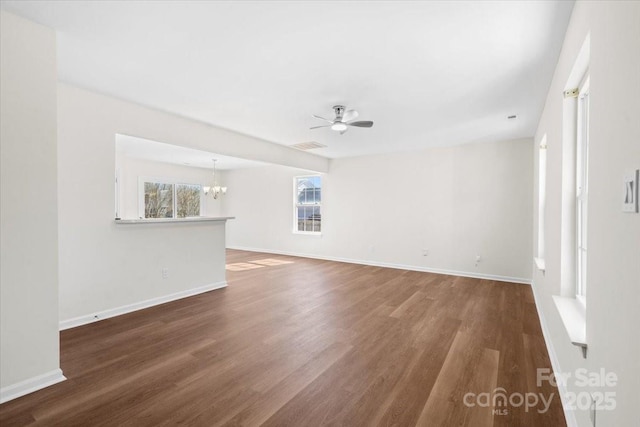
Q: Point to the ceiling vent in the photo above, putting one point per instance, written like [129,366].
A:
[307,145]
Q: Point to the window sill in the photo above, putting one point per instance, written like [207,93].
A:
[308,233]
[540,265]
[172,220]
[573,314]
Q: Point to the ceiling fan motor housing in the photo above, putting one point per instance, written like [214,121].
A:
[344,119]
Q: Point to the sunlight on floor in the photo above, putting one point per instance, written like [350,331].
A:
[241,266]
[267,262]
[272,261]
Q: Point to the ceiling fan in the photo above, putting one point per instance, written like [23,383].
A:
[343,120]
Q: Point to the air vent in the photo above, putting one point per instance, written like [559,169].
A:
[307,145]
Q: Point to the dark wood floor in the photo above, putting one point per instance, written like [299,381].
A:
[300,342]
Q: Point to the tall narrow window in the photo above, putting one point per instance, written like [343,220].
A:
[307,204]
[542,196]
[188,200]
[158,200]
[582,188]
[571,301]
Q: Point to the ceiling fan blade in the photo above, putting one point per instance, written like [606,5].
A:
[323,126]
[322,118]
[361,124]
[349,115]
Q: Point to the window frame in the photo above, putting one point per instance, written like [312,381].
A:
[296,205]
[582,187]
[169,181]
[571,301]
[542,200]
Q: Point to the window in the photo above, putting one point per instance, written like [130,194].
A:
[162,199]
[188,200]
[158,200]
[307,204]
[542,190]
[571,302]
[582,161]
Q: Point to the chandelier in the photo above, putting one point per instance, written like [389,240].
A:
[214,189]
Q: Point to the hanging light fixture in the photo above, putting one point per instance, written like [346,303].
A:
[214,189]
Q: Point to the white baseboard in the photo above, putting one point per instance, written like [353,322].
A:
[30,385]
[392,265]
[95,317]
[569,415]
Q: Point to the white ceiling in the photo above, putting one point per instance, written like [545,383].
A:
[427,73]
[146,149]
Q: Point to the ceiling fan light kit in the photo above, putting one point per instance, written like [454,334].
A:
[344,119]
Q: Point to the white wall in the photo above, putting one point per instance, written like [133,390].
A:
[613,288]
[106,267]
[456,202]
[138,121]
[29,209]
[132,168]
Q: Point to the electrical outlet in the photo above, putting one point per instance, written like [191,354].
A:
[425,252]
[165,273]
[477,258]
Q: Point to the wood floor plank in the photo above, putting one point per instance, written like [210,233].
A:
[283,391]
[304,342]
[468,368]
[403,404]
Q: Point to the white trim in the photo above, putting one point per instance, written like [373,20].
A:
[308,233]
[569,415]
[582,186]
[392,265]
[173,220]
[101,315]
[542,197]
[573,315]
[30,385]
[296,205]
